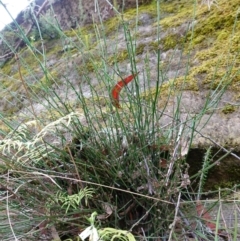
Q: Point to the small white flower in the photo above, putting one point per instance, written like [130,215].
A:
[90,232]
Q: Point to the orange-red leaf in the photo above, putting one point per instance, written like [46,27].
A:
[118,87]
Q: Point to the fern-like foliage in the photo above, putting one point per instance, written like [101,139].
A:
[22,145]
[73,201]
[204,171]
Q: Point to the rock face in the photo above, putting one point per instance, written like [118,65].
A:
[73,13]
[66,14]
[220,122]
[79,12]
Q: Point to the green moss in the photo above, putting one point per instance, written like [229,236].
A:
[212,30]
[171,88]
[46,81]
[7,68]
[123,55]
[181,11]
[149,8]
[84,34]
[197,40]
[12,84]
[154,45]
[206,54]
[55,50]
[227,109]
[70,33]
[140,49]
[118,57]
[90,64]
[81,31]
[170,41]
[111,25]
[223,35]
[187,83]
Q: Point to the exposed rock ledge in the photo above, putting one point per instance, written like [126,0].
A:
[219,126]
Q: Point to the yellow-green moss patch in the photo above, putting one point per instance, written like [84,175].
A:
[227,109]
